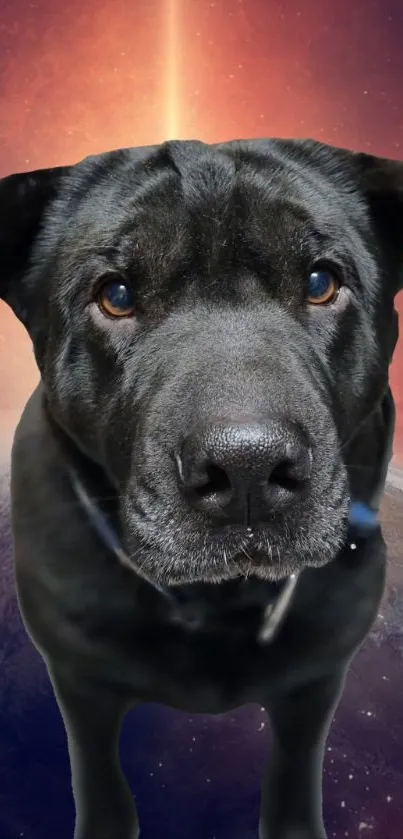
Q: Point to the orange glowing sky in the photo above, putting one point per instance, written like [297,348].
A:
[89,75]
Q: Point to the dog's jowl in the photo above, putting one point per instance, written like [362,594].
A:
[196,479]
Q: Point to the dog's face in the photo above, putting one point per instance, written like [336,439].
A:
[212,324]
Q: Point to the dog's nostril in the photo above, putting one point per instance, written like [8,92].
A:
[283,476]
[217,482]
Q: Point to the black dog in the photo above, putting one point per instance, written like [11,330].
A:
[213,326]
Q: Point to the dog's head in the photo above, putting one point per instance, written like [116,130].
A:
[212,325]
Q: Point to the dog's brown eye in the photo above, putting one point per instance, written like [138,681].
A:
[115,299]
[323,287]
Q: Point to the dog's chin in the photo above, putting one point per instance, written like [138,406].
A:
[270,565]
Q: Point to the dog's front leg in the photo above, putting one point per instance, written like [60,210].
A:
[93,717]
[292,790]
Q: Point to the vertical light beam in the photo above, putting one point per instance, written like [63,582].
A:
[171,90]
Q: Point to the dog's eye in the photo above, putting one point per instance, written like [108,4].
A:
[322,287]
[115,299]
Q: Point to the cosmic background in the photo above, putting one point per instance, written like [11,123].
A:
[84,76]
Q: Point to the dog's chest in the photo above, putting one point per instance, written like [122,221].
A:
[210,670]
[119,635]
[206,673]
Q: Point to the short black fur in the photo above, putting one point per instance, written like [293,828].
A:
[216,244]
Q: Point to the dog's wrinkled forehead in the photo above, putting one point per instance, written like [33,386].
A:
[185,210]
[190,218]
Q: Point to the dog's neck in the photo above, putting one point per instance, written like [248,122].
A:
[367,482]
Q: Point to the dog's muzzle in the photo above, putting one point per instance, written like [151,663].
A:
[363,520]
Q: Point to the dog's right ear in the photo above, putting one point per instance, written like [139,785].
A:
[24,199]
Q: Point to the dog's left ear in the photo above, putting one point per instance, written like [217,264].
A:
[381,182]
[24,199]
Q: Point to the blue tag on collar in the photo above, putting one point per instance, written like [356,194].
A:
[362,517]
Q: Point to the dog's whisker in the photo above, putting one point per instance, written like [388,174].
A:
[269,550]
[248,569]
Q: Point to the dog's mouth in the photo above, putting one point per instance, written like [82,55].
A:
[174,555]
[247,566]
[251,559]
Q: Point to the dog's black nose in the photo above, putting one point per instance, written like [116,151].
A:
[241,472]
